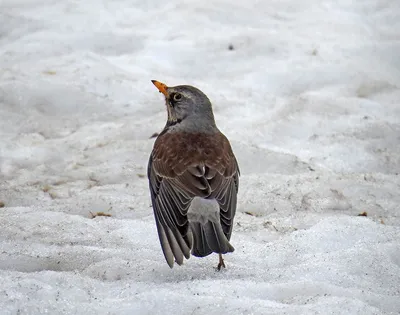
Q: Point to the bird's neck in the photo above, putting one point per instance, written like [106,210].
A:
[193,125]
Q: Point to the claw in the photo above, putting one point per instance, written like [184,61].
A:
[221,263]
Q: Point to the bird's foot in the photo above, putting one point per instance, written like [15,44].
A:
[221,263]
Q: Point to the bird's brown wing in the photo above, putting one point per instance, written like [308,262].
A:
[181,167]
[226,195]
[170,207]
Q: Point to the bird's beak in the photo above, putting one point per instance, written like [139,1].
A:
[161,87]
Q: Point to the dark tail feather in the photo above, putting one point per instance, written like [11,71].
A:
[209,238]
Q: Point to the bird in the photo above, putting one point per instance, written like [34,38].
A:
[193,179]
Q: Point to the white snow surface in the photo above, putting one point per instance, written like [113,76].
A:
[309,96]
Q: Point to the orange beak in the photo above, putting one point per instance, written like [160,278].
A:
[161,87]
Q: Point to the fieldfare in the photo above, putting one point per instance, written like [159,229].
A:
[193,179]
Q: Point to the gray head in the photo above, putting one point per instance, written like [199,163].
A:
[187,106]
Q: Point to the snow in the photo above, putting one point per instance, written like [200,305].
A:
[308,94]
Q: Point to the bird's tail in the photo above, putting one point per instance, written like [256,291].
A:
[209,238]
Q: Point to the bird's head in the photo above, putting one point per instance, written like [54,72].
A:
[186,103]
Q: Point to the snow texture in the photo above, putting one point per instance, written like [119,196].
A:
[308,92]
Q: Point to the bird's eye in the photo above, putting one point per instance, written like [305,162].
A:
[177,97]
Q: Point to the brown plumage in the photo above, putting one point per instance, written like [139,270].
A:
[193,179]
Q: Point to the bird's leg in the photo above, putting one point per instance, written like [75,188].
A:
[221,263]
